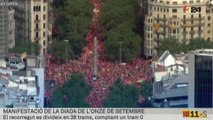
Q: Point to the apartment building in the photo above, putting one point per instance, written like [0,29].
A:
[181,19]
[32,25]
[3,29]
[11,27]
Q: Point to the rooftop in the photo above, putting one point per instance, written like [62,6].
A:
[203,52]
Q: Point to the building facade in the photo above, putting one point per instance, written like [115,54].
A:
[32,25]
[3,28]
[11,28]
[201,79]
[181,19]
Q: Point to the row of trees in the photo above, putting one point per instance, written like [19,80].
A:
[73,93]
[118,20]
[73,20]
[29,47]
[174,46]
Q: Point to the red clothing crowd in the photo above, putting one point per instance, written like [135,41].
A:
[108,72]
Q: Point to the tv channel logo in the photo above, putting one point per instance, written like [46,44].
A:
[194,114]
[188,9]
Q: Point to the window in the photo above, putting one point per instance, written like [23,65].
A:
[174,16]
[199,15]
[174,31]
[184,2]
[36,17]
[175,3]
[208,38]
[174,10]
[209,24]
[192,28]
[36,25]
[44,51]
[157,9]
[209,18]
[44,25]
[184,29]
[44,8]
[161,9]
[44,43]
[36,34]
[167,9]
[208,31]
[192,16]
[36,8]
[44,34]
[44,17]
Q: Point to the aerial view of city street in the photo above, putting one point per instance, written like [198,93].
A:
[106,53]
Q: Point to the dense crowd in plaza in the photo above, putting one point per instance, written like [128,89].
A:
[108,72]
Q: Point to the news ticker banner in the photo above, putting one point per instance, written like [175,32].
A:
[104,114]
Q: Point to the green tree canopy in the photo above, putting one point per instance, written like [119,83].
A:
[58,49]
[72,93]
[122,96]
[30,48]
[73,20]
[174,46]
[119,20]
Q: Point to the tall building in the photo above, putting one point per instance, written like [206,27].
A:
[32,25]
[181,19]
[11,27]
[3,28]
[201,79]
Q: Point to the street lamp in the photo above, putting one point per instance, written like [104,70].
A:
[66,41]
[120,51]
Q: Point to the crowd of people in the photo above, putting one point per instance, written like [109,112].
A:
[108,72]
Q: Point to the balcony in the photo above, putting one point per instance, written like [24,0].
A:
[192,32]
[200,31]
[160,32]
[193,19]
[161,19]
[185,32]
[37,21]
[192,25]
[163,25]
[173,26]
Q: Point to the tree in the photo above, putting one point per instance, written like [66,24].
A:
[122,96]
[146,92]
[171,44]
[58,49]
[29,47]
[119,20]
[72,93]
[199,44]
[176,47]
[72,23]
